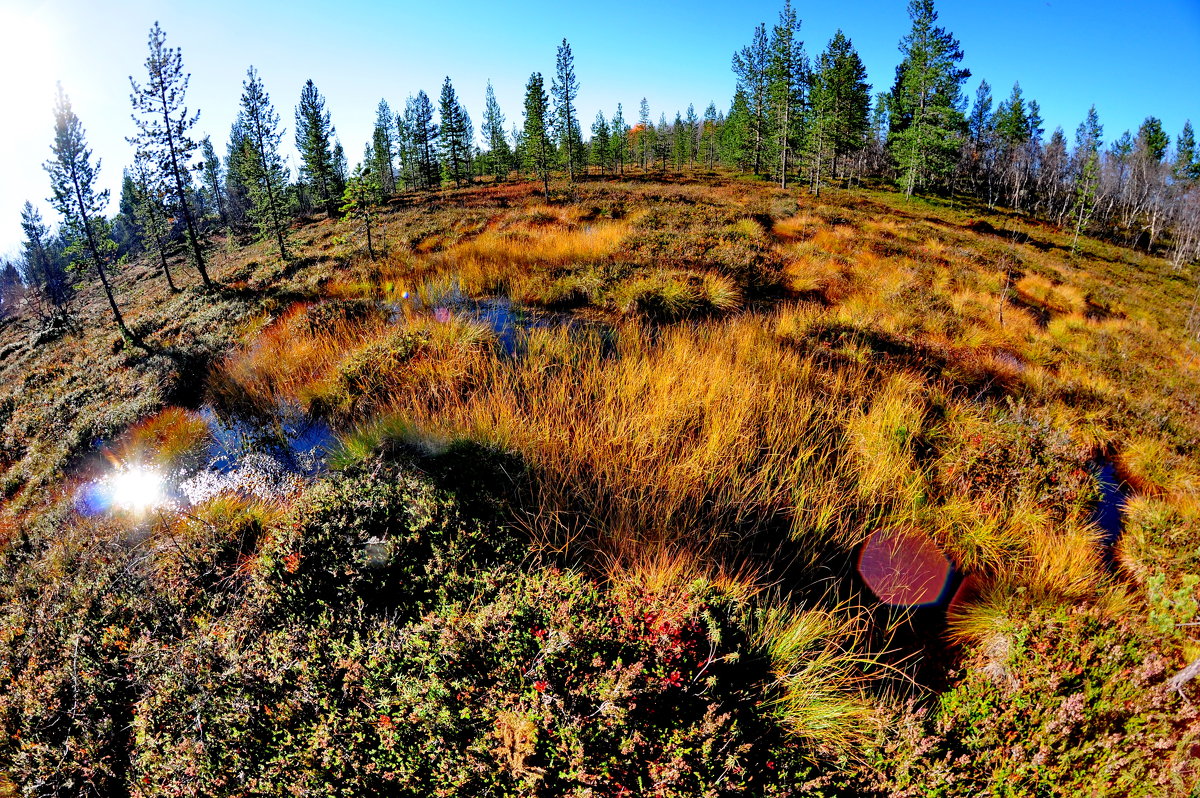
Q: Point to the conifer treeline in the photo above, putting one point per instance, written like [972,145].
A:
[795,121]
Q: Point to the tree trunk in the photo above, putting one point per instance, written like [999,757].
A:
[162,254]
[193,239]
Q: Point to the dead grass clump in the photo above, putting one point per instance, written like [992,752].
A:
[1039,291]
[165,437]
[349,367]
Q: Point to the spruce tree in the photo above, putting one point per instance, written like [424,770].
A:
[840,98]
[601,142]
[73,179]
[163,131]
[124,227]
[736,138]
[314,140]
[406,153]
[499,154]
[692,123]
[751,66]
[1153,139]
[470,151]
[926,115]
[1086,165]
[787,71]
[419,118]
[237,154]
[537,138]
[662,141]
[452,135]
[384,148]
[1187,157]
[151,213]
[1011,120]
[708,136]
[263,171]
[358,200]
[679,145]
[43,271]
[213,183]
[11,290]
[643,136]
[619,140]
[565,88]
[338,162]
[978,152]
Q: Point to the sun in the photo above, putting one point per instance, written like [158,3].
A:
[28,49]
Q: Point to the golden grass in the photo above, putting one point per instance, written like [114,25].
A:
[817,665]
[349,365]
[164,437]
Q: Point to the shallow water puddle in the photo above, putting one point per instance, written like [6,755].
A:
[1109,512]
[263,458]
[510,321]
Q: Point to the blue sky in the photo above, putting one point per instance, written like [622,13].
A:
[1066,54]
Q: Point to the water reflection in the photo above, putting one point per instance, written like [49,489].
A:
[133,489]
[262,457]
[510,321]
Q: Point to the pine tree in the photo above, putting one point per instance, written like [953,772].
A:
[163,131]
[565,88]
[314,138]
[151,213]
[537,138]
[384,148]
[73,182]
[358,200]
[751,66]
[839,98]
[499,154]
[263,171]
[926,116]
[787,74]
[452,134]
[213,183]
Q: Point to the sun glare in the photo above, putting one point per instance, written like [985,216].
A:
[136,489]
